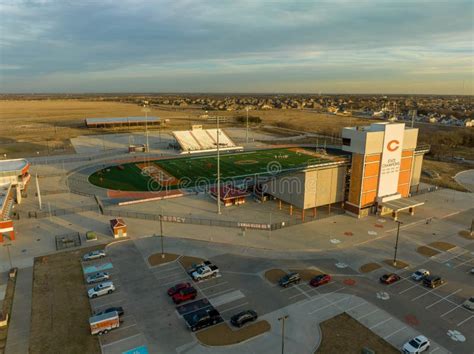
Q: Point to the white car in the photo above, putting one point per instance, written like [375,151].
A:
[420,274]
[98,277]
[472,271]
[469,303]
[93,255]
[101,289]
[416,345]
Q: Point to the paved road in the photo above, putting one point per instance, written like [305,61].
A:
[466,179]
[19,328]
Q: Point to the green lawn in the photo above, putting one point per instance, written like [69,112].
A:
[202,169]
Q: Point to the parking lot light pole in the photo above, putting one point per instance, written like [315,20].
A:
[282,320]
[396,243]
[161,236]
[7,245]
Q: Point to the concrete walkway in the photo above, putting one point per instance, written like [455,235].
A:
[19,330]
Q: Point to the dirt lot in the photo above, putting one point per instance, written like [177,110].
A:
[46,126]
[443,246]
[307,274]
[446,170]
[60,307]
[222,334]
[273,275]
[427,251]
[343,334]
[369,267]
[157,259]
[187,262]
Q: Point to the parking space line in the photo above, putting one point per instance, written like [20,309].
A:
[434,350]
[181,280]
[443,298]
[395,332]
[354,307]
[428,292]
[299,294]
[330,304]
[110,303]
[323,295]
[404,291]
[464,321]
[381,322]
[213,286]
[157,270]
[454,308]
[167,276]
[120,340]
[218,293]
[460,264]
[367,314]
[234,307]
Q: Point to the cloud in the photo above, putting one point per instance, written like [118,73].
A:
[127,41]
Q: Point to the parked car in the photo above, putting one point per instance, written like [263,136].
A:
[203,319]
[97,277]
[101,324]
[288,279]
[175,289]
[389,278]
[416,345]
[205,272]
[94,255]
[195,267]
[320,280]
[469,303]
[118,309]
[101,289]
[420,274]
[184,295]
[433,281]
[243,317]
[472,271]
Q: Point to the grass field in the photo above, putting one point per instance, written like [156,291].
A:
[201,170]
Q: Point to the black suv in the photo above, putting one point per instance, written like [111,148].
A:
[433,281]
[199,319]
[243,317]
[289,279]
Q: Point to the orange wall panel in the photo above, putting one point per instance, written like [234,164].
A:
[404,189]
[406,153]
[372,169]
[406,164]
[372,158]
[404,177]
[368,198]
[370,184]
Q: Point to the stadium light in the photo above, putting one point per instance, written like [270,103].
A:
[282,320]
[247,131]
[218,170]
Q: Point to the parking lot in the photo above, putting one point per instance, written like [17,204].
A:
[152,319]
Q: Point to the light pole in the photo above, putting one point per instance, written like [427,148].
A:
[146,110]
[396,243]
[247,130]
[282,320]
[7,245]
[218,170]
[161,236]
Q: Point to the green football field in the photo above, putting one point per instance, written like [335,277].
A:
[198,170]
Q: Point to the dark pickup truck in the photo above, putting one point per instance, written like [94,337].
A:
[202,319]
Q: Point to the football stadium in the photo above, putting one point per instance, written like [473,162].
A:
[375,170]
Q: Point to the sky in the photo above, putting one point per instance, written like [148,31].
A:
[299,46]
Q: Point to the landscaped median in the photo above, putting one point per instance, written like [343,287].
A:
[343,334]
[158,258]
[369,267]
[222,334]
[60,308]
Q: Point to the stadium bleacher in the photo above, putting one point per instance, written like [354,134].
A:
[203,140]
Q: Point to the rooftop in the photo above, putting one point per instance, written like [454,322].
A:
[114,120]
[13,165]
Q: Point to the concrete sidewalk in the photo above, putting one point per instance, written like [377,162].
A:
[19,330]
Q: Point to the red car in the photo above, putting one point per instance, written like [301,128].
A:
[389,278]
[320,280]
[184,295]
[175,289]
